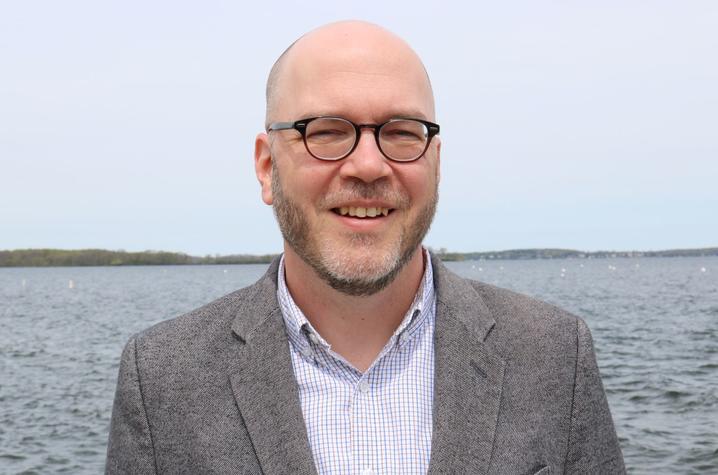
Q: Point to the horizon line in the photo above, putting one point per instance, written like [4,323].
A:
[438,250]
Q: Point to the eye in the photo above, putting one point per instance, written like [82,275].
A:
[329,130]
[325,132]
[403,134]
[328,136]
[404,131]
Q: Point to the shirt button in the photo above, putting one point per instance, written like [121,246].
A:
[364,388]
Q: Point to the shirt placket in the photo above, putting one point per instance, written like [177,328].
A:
[362,427]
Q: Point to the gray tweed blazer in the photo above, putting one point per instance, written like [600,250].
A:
[517,390]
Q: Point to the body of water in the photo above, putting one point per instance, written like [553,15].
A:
[654,323]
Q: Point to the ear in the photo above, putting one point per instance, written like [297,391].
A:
[263,166]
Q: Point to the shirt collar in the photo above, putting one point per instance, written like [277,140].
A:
[301,334]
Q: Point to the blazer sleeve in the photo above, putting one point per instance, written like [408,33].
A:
[130,448]
[593,444]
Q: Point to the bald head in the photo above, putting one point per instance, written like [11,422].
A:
[343,48]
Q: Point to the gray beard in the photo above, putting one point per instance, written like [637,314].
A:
[296,232]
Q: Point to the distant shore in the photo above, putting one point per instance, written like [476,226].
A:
[103,257]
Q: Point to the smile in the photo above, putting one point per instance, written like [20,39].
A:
[361,212]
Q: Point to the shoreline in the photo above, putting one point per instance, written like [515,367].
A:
[107,258]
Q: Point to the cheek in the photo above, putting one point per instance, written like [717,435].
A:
[307,185]
[420,183]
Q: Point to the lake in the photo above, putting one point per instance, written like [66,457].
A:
[654,323]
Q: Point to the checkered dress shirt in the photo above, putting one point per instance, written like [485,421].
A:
[378,422]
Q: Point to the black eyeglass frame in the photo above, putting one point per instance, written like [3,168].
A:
[301,127]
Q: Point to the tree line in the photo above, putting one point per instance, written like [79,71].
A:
[103,257]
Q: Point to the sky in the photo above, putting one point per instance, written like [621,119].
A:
[588,125]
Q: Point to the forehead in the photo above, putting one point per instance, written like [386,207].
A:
[370,79]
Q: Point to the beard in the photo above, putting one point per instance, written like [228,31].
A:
[355,263]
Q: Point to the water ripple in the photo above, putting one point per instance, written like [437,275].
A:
[655,328]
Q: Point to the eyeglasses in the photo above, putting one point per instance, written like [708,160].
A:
[334,138]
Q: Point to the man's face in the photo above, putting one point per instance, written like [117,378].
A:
[358,255]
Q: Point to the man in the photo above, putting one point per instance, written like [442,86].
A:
[358,352]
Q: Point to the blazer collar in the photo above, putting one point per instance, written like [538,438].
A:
[463,304]
[264,385]
[468,378]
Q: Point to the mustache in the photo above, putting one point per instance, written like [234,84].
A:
[358,190]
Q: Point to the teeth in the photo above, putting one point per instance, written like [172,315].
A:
[360,212]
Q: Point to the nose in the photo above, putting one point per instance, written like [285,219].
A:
[366,162]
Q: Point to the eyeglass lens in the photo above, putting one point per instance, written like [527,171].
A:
[333,138]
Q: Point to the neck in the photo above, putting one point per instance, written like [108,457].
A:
[357,327]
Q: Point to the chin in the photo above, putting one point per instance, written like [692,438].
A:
[361,266]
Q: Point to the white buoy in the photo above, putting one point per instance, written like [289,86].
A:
[703,269]
[71,284]
[481,269]
[24,283]
[225,271]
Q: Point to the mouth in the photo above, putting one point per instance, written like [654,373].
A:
[363,212]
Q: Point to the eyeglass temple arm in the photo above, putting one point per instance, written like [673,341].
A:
[280,126]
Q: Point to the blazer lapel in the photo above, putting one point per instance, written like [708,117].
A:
[468,378]
[264,385]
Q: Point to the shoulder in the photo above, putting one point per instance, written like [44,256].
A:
[474,301]
[516,326]
[517,312]
[533,337]
[212,317]
[208,330]
[541,344]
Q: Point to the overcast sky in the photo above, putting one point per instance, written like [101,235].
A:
[587,125]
